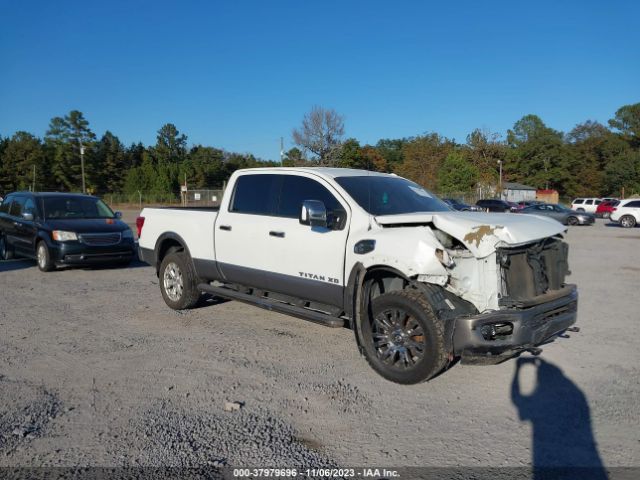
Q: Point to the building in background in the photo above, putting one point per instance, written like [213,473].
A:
[517,192]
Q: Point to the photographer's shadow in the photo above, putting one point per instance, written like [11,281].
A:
[563,442]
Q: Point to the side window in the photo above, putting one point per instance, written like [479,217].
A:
[578,201]
[634,204]
[17,207]
[30,207]
[598,202]
[588,202]
[6,205]
[255,194]
[296,190]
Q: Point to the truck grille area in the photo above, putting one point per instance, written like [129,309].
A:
[531,272]
[100,239]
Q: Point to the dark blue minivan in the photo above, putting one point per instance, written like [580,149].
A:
[63,229]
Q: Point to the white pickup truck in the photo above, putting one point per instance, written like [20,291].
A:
[420,284]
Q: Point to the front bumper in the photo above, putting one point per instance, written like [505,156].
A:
[586,220]
[530,327]
[76,253]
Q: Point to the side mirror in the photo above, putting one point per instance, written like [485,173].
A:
[118,215]
[313,213]
[28,217]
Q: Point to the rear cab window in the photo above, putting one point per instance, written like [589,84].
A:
[255,194]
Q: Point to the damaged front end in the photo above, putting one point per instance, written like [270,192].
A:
[534,304]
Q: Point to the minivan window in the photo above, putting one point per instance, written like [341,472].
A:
[17,206]
[30,207]
[255,194]
[74,207]
[6,205]
[296,189]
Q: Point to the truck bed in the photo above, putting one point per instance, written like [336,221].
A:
[194,225]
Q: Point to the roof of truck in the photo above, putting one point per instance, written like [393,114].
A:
[330,172]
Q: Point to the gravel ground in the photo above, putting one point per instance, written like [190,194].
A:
[95,370]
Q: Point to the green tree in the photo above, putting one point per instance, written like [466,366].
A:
[622,174]
[22,156]
[457,174]
[538,155]
[423,157]
[349,155]
[392,151]
[627,122]
[171,145]
[108,169]
[485,150]
[293,158]
[64,137]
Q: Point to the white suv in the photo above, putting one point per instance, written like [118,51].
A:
[627,213]
[586,204]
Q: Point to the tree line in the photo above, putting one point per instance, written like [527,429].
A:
[54,164]
[591,160]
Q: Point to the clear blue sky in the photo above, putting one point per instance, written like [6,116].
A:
[241,74]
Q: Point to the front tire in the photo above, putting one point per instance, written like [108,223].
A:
[627,221]
[6,253]
[572,221]
[403,339]
[178,281]
[43,257]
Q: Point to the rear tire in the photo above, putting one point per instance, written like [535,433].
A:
[178,281]
[6,253]
[403,339]
[627,221]
[43,257]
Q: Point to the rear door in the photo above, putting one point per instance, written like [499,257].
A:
[6,222]
[26,230]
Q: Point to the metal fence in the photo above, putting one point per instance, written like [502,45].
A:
[203,198]
[199,198]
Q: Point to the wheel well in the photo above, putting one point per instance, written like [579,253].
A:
[168,245]
[382,280]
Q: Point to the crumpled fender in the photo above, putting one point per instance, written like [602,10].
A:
[408,250]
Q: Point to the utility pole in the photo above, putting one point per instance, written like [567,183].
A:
[500,180]
[33,184]
[84,187]
[281,151]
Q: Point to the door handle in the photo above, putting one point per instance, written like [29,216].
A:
[226,228]
[277,234]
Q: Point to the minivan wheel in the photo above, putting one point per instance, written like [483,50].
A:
[403,339]
[44,258]
[628,221]
[178,281]
[5,252]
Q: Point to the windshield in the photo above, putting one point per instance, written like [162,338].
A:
[391,195]
[76,207]
[562,208]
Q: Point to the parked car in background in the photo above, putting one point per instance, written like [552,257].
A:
[460,206]
[560,213]
[63,229]
[586,204]
[528,203]
[627,213]
[605,208]
[494,205]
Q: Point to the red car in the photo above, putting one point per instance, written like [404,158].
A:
[605,208]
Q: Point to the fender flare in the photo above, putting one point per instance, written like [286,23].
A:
[169,236]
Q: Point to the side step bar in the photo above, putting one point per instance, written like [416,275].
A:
[275,306]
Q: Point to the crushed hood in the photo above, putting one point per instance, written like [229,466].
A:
[483,232]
